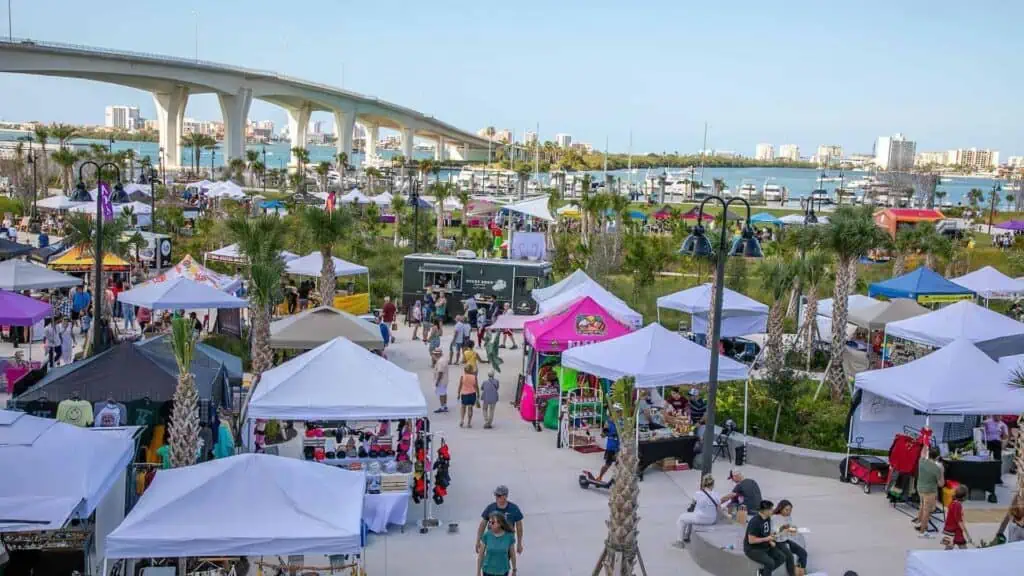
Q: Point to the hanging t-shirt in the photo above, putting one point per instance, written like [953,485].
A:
[41,408]
[225,442]
[108,416]
[164,452]
[75,412]
[142,413]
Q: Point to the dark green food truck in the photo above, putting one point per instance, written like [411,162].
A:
[491,281]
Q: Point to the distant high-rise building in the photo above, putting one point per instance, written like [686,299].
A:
[974,158]
[764,152]
[123,118]
[790,152]
[503,135]
[530,138]
[829,154]
[930,159]
[1015,161]
[563,140]
[895,152]
[317,127]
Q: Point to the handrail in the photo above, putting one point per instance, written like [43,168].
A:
[28,43]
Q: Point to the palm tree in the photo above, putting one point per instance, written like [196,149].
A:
[342,167]
[812,270]
[251,158]
[398,207]
[441,192]
[777,277]
[620,546]
[301,159]
[129,154]
[63,133]
[41,133]
[523,173]
[80,230]
[372,174]
[236,169]
[259,170]
[325,229]
[719,185]
[974,197]
[197,142]
[66,159]
[184,425]
[907,242]
[322,169]
[260,240]
[211,147]
[850,234]
[939,195]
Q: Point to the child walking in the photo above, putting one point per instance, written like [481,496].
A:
[954,532]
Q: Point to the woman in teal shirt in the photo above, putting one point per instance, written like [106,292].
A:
[497,555]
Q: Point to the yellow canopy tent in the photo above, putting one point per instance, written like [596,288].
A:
[76,260]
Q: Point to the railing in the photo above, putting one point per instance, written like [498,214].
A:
[219,67]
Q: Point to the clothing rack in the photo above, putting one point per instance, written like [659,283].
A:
[428,521]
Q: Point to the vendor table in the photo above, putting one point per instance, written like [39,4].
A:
[683,448]
[975,472]
[385,508]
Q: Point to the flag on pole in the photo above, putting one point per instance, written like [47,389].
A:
[105,201]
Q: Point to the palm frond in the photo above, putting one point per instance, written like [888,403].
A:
[183,343]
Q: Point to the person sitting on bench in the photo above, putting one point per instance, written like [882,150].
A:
[759,542]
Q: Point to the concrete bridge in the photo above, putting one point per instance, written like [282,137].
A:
[172,80]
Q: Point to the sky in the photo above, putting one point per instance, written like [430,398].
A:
[783,72]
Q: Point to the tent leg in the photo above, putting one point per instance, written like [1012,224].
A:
[658,312]
[746,404]
[822,381]
[104,573]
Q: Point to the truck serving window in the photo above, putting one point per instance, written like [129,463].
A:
[444,276]
[524,284]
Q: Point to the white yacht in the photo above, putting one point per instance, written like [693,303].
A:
[775,193]
[375,161]
[747,192]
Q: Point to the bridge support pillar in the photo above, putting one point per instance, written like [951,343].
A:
[170,114]
[298,124]
[407,148]
[441,151]
[344,127]
[234,108]
[372,137]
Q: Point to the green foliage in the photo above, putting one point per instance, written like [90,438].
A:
[11,205]
[426,229]
[232,345]
[183,343]
[645,256]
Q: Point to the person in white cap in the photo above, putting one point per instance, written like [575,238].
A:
[489,398]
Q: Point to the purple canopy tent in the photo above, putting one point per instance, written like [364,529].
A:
[1011,225]
[18,310]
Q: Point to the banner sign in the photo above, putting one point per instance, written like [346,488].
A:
[528,246]
[64,539]
[943,298]
[105,201]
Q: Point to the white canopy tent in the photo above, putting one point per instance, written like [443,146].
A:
[245,505]
[338,380]
[232,254]
[991,284]
[129,188]
[312,263]
[741,315]
[573,280]
[53,472]
[58,202]
[512,322]
[798,220]
[956,379]
[179,294]
[17,275]
[962,320]
[311,328]
[992,560]
[136,207]
[610,302]
[824,317]
[383,199]
[1014,363]
[200,185]
[535,207]
[226,189]
[355,197]
[655,356]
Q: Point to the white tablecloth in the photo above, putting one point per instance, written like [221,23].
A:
[379,510]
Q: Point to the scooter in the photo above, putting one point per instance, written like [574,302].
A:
[587,479]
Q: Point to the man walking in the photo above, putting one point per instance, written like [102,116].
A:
[440,379]
[389,311]
[489,398]
[512,513]
[461,332]
[79,304]
[52,337]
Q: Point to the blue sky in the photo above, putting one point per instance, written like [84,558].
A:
[789,71]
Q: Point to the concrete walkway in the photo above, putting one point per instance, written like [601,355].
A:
[565,525]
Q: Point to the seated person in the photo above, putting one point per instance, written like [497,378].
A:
[705,510]
[759,542]
[785,531]
[745,492]
[677,403]
[648,414]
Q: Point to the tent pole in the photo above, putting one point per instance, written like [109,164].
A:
[104,573]
[658,312]
[746,403]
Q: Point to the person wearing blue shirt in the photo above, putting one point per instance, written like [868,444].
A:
[611,449]
[385,332]
[79,304]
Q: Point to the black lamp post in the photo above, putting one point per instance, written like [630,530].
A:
[163,173]
[35,195]
[414,196]
[264,169]
[97,291]
[697,244]
[152,199]
[213,156]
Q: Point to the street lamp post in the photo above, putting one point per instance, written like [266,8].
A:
[264,169]
[213,157]
[97,291]
[35,195]
[163,173]
[415,197]
[698,244]
[152,199]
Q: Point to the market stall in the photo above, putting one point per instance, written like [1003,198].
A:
[962,320]
[991,284]
[311,265]
[924,285]
[61,492]
[741,315]
[583,322]
[349,398]
[23,313]
[944,386]
[311,328]
[18,275]
[232,254]
[192,270]
[872,351]
[575,287]
[77,260]
[656,357]
[248,505]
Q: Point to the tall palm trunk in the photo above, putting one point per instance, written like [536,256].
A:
[794,297]
[326,281]
[899,265]
[836,375]
[774,359]
[620,546]
[810,322]
[184,432]
[929,260]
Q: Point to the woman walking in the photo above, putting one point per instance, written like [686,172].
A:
[416,318]
[469,394]
[497,556]
[434,338]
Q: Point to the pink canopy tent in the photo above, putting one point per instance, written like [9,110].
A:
[583,322]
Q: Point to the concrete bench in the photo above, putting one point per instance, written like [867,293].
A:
[775,456]
[709,548]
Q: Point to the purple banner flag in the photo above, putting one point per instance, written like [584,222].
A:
[108,208]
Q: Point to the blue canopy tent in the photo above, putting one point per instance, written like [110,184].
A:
[637,215]
[765,218]
[924,285]
[271,204]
